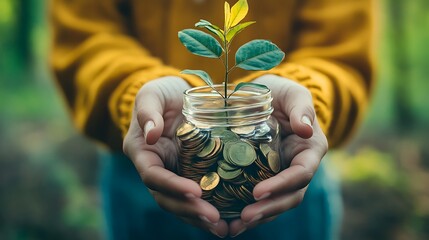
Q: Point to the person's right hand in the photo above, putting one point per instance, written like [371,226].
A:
[149,143]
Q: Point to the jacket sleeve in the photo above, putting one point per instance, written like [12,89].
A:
[331,56]
[100,66]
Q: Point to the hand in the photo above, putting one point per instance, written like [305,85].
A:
[149,144]
[303,146]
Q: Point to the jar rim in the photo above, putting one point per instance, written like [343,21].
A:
[246,106]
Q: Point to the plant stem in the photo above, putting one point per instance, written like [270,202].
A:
[225,97]
[226,82]
[226,46]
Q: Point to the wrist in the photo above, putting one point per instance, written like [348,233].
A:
[121,103]
[167,84]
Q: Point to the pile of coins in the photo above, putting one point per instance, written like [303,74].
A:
[227,163]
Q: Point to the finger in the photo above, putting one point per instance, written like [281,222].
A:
[297,176]
[220,229]
[157,178]
[194,211]
[150,107]
[238,227]
[298,105]
[192,208]
[272,206]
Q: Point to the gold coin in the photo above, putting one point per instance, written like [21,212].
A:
[194,142]
[184,129]
[217,148]
[246,195]
[243,130]
[189,136]
[264,175]
[241,154]
[262,163]
[250,178]
[210,146]
[265,149]
[209,181]
[274,161]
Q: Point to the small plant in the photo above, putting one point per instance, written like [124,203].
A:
[255,55]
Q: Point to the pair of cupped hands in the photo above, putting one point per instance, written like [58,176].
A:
[150,144]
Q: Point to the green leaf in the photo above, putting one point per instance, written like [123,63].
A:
[227,10]
[238,12]
[200,43]
[200,73]
[212,28]
[235,30]
[249,84]
[258,55]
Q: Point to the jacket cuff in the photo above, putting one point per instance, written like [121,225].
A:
[317,83]
[121,103]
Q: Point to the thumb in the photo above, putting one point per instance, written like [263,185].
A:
[150,109]
[301,113]
[302,123]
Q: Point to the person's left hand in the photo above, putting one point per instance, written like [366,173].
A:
[303,146]
[150,145]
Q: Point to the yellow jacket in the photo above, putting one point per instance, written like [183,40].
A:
[105,50]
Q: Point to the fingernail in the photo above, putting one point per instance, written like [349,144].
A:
[306,120]
[239,232]
[215,233]
[265,195]
[147,127]
[205,219]
[256,218]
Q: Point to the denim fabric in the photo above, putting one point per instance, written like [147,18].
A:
[131,212]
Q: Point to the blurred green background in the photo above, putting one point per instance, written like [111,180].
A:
[48,173]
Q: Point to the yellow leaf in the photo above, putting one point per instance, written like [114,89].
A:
[235,30]
[238,12]
[227,15]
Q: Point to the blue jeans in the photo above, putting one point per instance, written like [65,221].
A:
[131,212]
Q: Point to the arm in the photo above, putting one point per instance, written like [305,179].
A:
[330,70]
[331,57]
[111,82]
[100,66]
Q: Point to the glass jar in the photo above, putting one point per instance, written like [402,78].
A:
[228,146]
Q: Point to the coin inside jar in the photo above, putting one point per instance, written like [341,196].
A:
[210,146]
[184,129]
[226,163]
[265,149]
[225,135]
[241,153]
[228,175]
[243,130]
[226,166]
[209,181]
[274,161]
